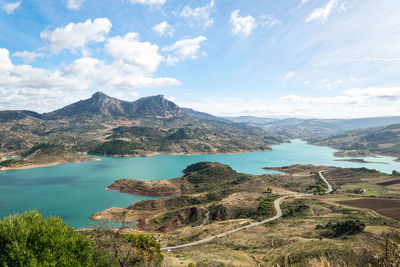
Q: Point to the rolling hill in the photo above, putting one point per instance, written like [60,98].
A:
[373,141]
[296,128]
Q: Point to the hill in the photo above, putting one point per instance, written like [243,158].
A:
[314,128]
[103,125]
[373,141]
[211,198]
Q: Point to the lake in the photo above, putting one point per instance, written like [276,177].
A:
[75,191]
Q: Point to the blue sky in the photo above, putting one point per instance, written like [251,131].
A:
[294,58]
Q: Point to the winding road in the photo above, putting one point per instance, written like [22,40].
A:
[277,204]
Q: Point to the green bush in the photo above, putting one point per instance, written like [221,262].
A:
[266,207]
[29,239]
[350,227]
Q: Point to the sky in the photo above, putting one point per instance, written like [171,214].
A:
[265,58]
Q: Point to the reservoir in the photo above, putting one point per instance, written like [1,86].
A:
[75,191]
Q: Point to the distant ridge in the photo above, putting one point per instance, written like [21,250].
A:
[11,115]
[103,105]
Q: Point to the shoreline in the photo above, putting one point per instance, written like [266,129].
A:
[32,166]
[361,161]
[146,155]
[342,153]
[141,193]
[153,154]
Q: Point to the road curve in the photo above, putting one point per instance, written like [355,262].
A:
[323,178]
[277,203]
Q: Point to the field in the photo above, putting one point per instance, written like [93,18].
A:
[386,207]
[392,182]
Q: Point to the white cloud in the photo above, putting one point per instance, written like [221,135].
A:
[148,2]
[164,29]
[320,100]
[304,1]
[351,96]
[199,15]
[77,35]
[143,56]
[268,21]
[289,75]
[133,66]
[351,103]
[74,4]
[307,82]
[184,49]
[242,26]
[28,56]
[342,106]
[323,13]
[375,93]
[18,81]
[11,7]
[116,75]
[41,99]
[25,76]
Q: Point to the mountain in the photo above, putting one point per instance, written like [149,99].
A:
[104,125]
[362,142]
[12,115]
[103,105]
[314,128]
[205,116]
[256,121]
[157,107]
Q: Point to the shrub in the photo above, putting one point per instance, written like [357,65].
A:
[350,227]
[266,207]
[114,248]
[30,239]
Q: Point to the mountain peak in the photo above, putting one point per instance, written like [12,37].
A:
[101,104]
[99,94]
[157,106]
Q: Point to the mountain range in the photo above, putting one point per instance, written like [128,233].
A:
[104,125]
[296,128]
[362,142]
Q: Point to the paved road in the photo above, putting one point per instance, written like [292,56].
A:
[323,178]
[277,203]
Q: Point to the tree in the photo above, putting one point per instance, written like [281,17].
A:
[29,239]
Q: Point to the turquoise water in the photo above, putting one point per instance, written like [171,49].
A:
[75,191]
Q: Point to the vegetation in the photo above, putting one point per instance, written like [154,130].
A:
[115,148]
[373,141]
[314,128]
[319,187]
[266,207]
[350,227]
[30,239]
[43,154]
[117,247]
